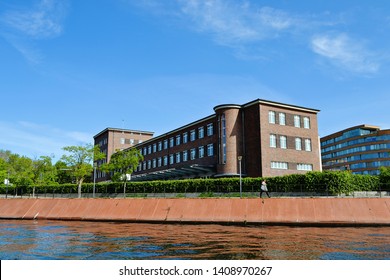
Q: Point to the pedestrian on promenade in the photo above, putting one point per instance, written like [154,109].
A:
[264,188]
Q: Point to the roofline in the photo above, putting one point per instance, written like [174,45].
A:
[266,102]
[123,130]
[174,131]
[366,126]
[283,105]
[227,106]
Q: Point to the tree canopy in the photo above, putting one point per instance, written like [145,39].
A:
[79,161]
[122,164]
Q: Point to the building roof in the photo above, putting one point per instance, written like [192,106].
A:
[266,102]
[124,130]
[341,132]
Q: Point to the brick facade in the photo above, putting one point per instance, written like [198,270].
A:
[236,131]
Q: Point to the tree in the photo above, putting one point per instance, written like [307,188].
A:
[122,164]
[79,161]
[3,170]
[44,172]
[384,177]
[20,170]
[63,174]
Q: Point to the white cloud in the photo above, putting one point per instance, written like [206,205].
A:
[232,22]
[345,52]
[246,27]
[42,21]
[23,26]
[33,140]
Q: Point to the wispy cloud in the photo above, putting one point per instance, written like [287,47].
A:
[247,27]
[345,52]
[231,22]
[34,140]
[44,20]
[24,25]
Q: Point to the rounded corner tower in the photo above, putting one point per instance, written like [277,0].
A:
[230,139]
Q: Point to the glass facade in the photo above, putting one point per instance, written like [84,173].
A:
[360,150]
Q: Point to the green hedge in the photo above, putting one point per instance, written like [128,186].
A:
[333,183]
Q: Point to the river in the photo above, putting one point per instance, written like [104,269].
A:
[74,240]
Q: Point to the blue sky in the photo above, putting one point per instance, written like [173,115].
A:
[69,69]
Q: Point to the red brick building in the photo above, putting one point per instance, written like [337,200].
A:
[112,139]
[262,137]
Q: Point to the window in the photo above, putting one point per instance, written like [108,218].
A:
[223,133]
[149,150]
[145,151]
[283,142]
[201,132]
[185,156]
[149,164]
[306,122]
[210,129]
[185,137]
[201,152]
[297,121]
[192,135]
[165,160]
[154,163]
[210,150]
[144,165]
[272,141]
[279,165]
[193,154]
[159,162]
[307,145]
[171,142]
[171,159]
[271,116]
[298,144]
[178,138]
[159,146]
[154,148]
[165,144]
[282,118]
[122,141]
[304,167]
[178,157]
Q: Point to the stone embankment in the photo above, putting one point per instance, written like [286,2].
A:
[274,211]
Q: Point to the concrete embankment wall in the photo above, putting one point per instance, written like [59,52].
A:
[286,211]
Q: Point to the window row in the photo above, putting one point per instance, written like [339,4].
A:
[370,139]
[179,157]
[281,142]
[281,119]
[179,139]
[356,150]
[285,166]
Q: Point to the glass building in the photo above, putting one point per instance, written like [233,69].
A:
[362,149]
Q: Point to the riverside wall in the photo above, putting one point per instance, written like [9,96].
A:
[274,211]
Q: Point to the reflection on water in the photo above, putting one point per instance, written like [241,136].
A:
[102,240]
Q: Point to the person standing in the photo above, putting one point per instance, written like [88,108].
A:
[264,188]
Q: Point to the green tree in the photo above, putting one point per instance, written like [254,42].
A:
[44,172]
[122,164]
[79,160]
[21,171]
[64,175]
[384,177]
[3,170]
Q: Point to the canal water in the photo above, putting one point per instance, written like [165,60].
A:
[73,240]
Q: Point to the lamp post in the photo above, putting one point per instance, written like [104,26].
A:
[94,178]
[239,165]
[6,182]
